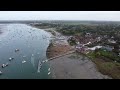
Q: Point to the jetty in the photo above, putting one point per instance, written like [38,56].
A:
[40,64]
[70,52]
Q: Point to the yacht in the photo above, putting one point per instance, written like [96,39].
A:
[4,65]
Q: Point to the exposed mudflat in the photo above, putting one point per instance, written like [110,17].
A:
[67,67]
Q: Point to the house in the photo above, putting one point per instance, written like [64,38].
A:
[112,37]
[95,47]
[108,48]
[87,43]
[88,35]
[119,54]
[111,41]
[98,39]
[82,49]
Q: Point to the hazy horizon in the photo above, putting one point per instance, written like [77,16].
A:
[60,15]
[56,20]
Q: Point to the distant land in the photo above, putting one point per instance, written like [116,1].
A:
[60,21]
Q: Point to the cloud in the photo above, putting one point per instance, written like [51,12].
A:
[60,15]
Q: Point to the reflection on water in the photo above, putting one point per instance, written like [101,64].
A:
[32,60]
[32,48]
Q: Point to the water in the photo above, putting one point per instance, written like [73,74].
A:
[32,48]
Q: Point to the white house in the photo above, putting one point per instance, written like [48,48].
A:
[94,48]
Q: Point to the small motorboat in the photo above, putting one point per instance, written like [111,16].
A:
[23,61]
[4,65]
[43,61]
[49,73]
[16,50]
[10,59]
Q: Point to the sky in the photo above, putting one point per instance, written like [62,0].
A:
[60,15]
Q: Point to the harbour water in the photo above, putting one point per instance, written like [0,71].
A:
[31,48]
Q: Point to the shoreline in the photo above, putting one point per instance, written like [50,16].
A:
[57,45]
[69,68]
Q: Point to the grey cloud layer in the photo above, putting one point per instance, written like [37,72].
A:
[60,15]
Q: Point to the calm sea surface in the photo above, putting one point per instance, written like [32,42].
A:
[32,44]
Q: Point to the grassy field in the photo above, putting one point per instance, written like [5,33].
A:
[106,65]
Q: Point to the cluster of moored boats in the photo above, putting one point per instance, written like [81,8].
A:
[16,50]
[11,58]
[6,64]
[40,65]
